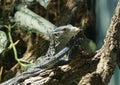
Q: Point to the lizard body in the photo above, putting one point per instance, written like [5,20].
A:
[59,39]
[40,67]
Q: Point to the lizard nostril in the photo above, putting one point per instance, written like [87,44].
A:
[64,29]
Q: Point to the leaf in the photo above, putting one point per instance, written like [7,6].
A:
[44,3]
[27,0]
[30,21]
[3,41]
[88,45]
[92,46]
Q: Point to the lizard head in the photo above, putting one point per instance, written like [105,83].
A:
[68,30]
[63,35]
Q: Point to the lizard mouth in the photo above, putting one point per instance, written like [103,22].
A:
[76,29]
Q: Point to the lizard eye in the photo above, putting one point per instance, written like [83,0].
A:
[65,29]
[56,34]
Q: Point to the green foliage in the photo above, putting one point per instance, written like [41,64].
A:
[3,41]
[91,46]
[12,44]
[88,45]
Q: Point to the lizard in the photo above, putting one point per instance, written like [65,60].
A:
[60,38]
[57,49]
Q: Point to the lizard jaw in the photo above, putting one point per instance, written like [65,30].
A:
[75,29]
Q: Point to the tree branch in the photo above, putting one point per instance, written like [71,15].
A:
[108,54]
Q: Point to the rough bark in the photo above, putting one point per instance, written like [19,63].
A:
[108,54]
